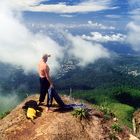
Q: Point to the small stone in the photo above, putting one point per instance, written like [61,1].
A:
[115,119]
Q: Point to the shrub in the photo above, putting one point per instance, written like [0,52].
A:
[107,112]
[116,128]
[81,113]
[113,136]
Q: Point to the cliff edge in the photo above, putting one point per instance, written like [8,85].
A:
[57,125]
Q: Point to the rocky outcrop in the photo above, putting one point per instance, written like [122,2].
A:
[57,125]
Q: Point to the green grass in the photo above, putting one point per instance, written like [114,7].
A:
[116,127]
[123,113]
[122,101]
[97,96]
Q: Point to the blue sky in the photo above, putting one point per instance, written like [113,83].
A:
[116,13]
[72,27]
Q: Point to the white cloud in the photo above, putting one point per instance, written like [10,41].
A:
[19,46]
[20,5]
[133,35]
[135,15]
[88,25]
[85,51]
[86,6]
[99,25]
[67,16]
[98,37]
[135,11]
[134,25]
[134,3]
[113,16]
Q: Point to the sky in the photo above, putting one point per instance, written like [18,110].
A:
[65,28]
[108,12]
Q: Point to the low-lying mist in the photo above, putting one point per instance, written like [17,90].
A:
[8,102]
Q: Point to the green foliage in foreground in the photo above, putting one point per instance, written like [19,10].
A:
[108,114]
[122,101]
[116,127]
[81,113]
[113,136]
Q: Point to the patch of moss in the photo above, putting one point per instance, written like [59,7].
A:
[123,112]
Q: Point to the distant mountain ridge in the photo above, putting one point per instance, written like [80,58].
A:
[116,71]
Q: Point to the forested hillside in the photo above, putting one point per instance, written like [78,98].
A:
[104,73]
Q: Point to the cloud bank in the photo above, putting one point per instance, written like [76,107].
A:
[134,26]
[82,7]
[85,51]
[133,35]
[100,26]
[134,3]
[19,46]
[98,37]
[89,25]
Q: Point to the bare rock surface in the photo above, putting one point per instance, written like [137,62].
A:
[57,125]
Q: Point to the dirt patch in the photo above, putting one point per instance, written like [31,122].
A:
[54,125]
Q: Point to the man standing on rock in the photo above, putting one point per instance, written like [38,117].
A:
[45,80]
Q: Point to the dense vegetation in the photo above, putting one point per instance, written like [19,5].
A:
[104,73]
[15,79]
[122,101]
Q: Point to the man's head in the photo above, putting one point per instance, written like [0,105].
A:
[45,57]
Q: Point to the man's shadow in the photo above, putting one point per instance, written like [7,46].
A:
[68,107]
[62,110]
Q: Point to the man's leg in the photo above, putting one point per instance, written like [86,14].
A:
[47,84]
[43,90]
[57,98]
[49,99]
[49,103]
